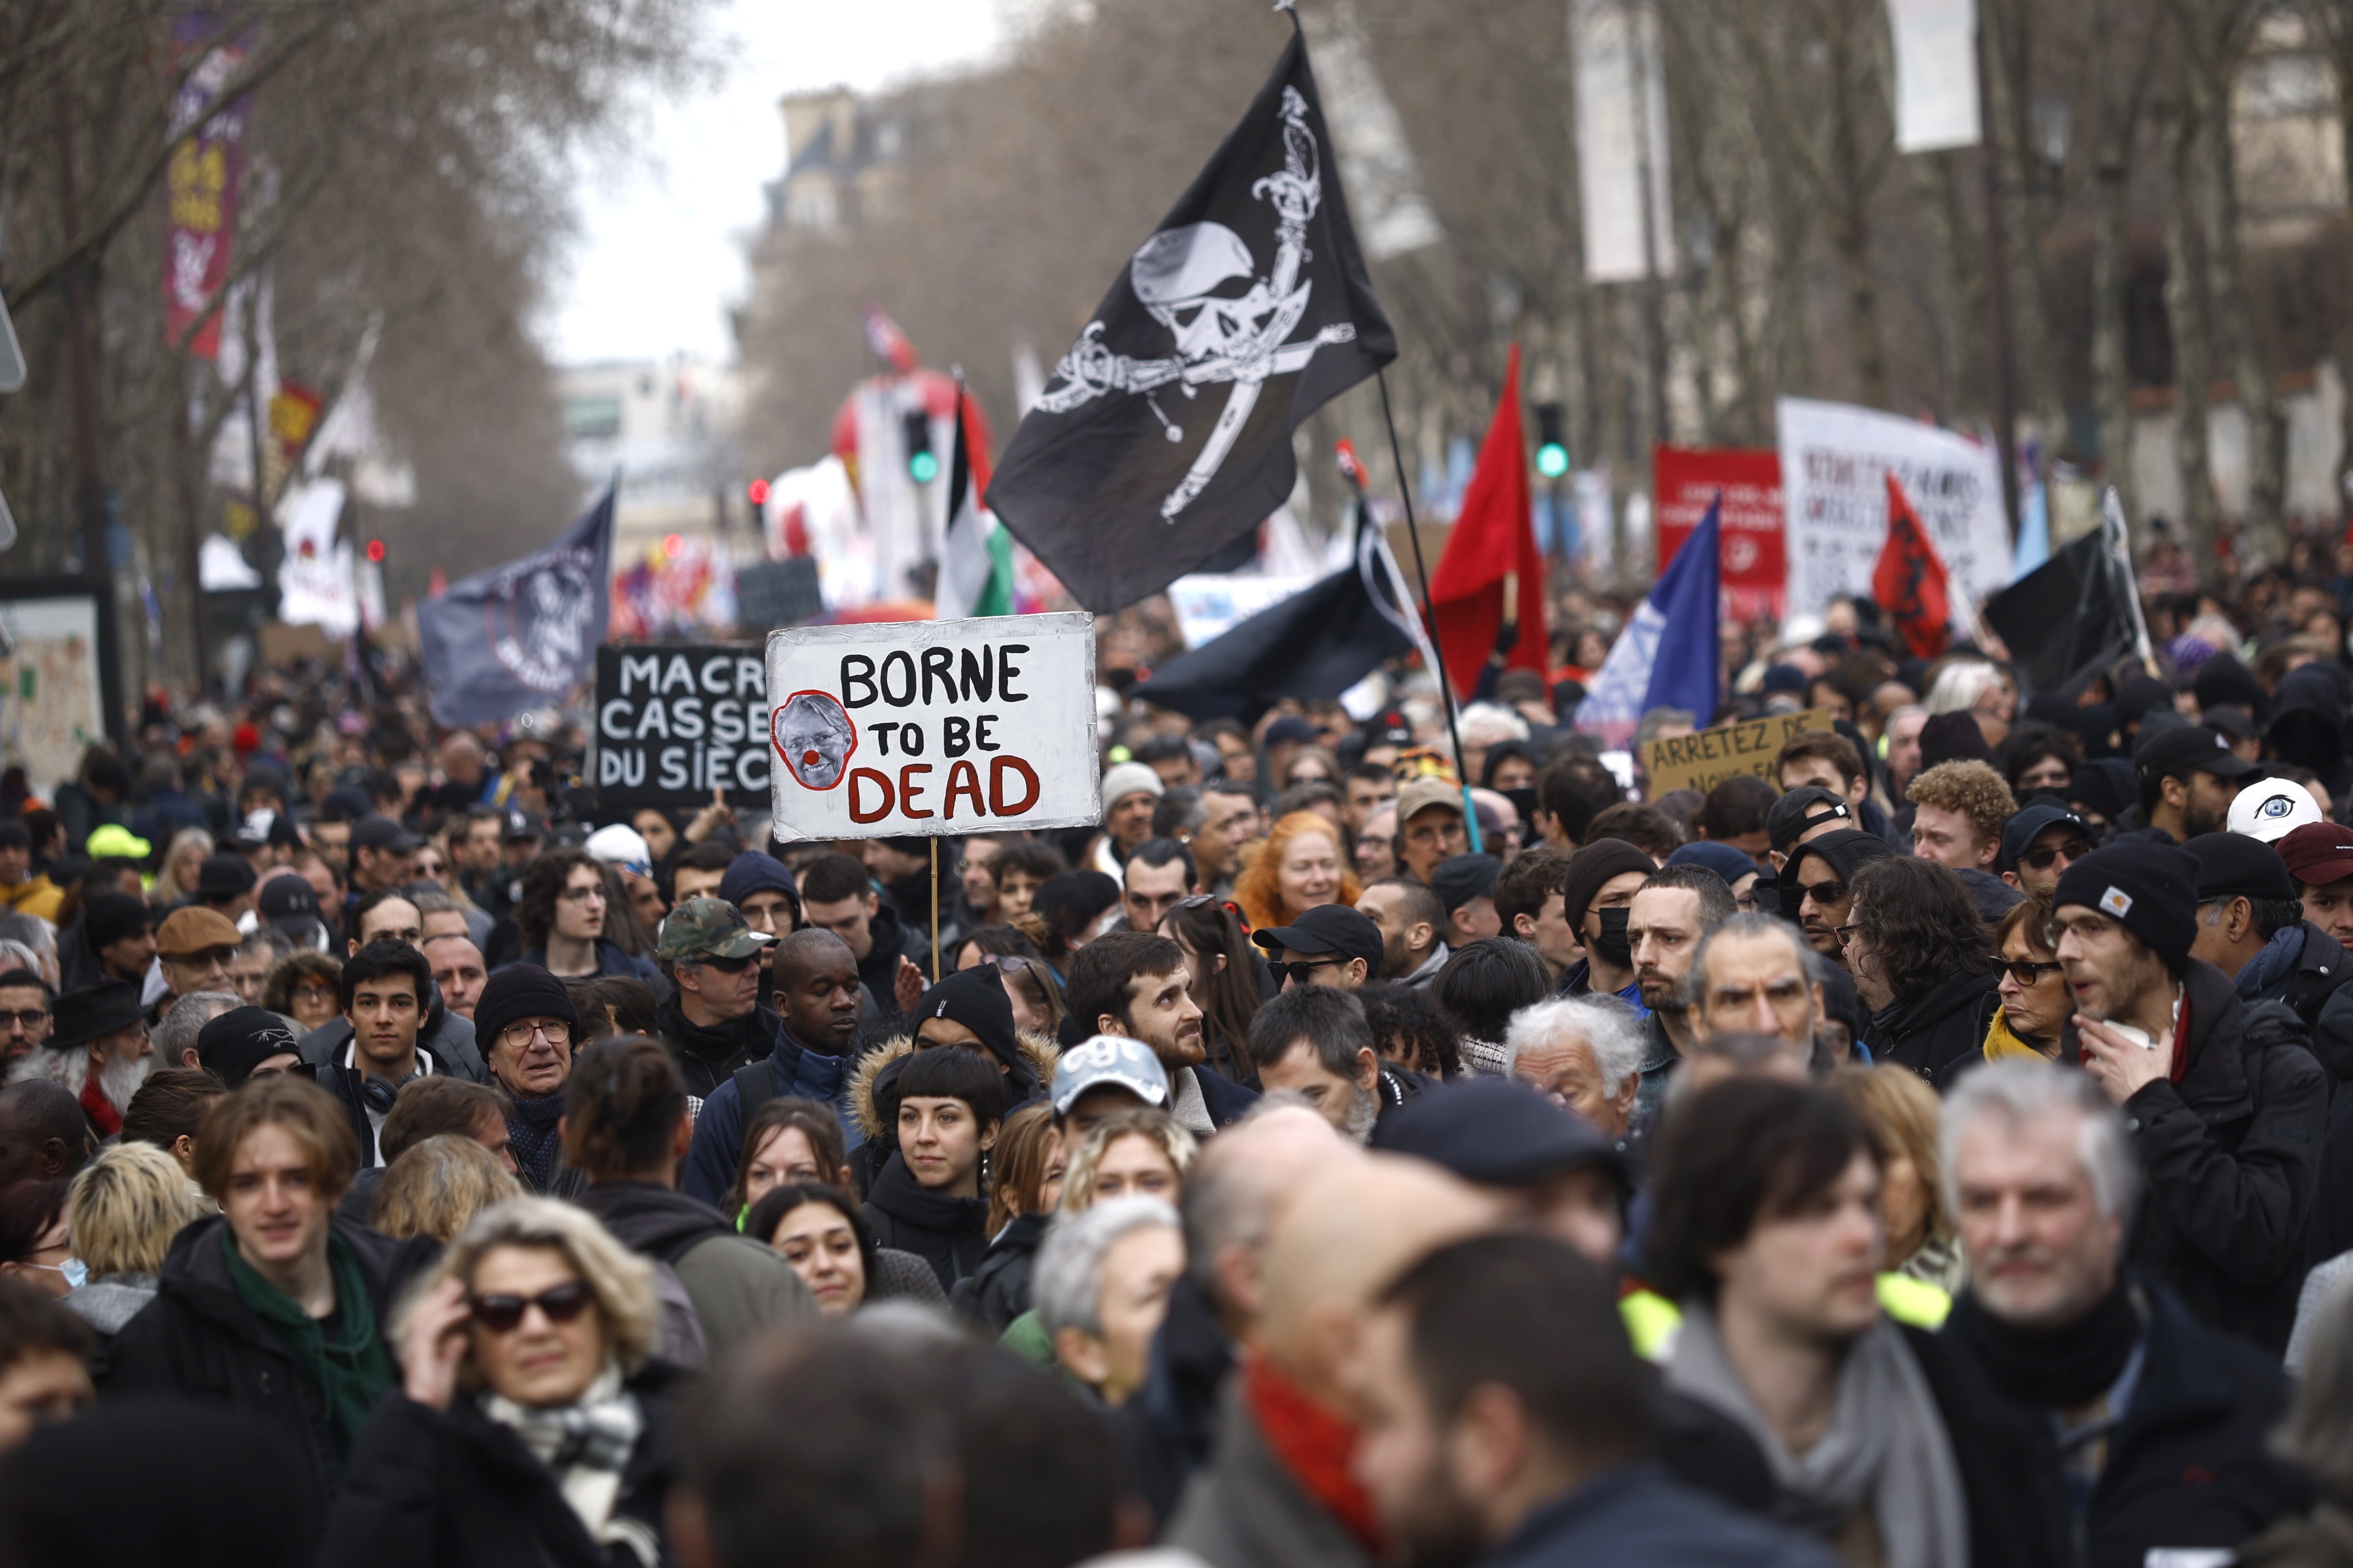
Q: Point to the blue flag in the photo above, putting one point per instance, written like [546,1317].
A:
[521,634]
[2033,532]
[1671,654]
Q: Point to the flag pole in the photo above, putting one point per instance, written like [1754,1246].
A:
[936,912]
[1421,575]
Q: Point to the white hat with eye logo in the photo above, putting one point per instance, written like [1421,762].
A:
[2270,809]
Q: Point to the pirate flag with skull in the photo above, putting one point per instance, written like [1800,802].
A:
[1165,433]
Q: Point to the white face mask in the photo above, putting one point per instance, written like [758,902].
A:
[76,1271]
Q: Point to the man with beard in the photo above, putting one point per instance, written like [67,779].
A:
[25,1014]
[1134,984]
[1408,916]
[2116,1392]
[1313,1041]
[1671,914]
[1817,884]
[2188,779]
[2227,1107]
[115,939]
[1517,1438]
[98,1051]
[1924,962]
[712,1018]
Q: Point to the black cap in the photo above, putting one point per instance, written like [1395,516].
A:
[1326,928]
[1801,808]
[2233,866]
[81,1016]
[345,805]
[2193,748]
[1498,1132]
[224,876]
[2019,833]
[241,1039]
[1459,879]
[374,832]
[521,825]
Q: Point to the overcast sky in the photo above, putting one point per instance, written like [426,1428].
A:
[661,254]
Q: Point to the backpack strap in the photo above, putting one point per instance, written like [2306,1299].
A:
[674,1250]
[755,1084]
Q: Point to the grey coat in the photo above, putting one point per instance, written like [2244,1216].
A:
[1244,1510]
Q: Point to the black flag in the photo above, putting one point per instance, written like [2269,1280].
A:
[2077,614]
[1165,430]
[1314,645]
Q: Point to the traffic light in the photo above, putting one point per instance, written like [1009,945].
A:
[1552,446]
[376,549]
[757,491]
[923,463]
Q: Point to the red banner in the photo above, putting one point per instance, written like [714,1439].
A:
[200,186]
[1753,564]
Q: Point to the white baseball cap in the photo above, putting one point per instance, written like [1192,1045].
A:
[2270,809]
[623,845]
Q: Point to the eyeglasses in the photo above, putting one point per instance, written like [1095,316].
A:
[1823,892]
[2026,972]
[517,1037]
[2039,859]
[28,1017]
[581,895]
[1301,972]
[1845,934]
[315,993]
[502,1314]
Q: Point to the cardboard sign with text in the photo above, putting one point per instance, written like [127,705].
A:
[674,722]
[1703,761]
[935,728]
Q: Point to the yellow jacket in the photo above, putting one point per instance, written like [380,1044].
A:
[1651,1319]
[2001,1042]
[35,896]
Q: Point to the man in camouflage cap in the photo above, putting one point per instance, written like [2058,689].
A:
[714,1017]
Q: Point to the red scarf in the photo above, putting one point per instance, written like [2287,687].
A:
[102,1114]
[1313,1444]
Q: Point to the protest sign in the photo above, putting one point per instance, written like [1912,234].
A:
[1703,761]
[675,723]
[1751,559]
[933,728]
[1835,460]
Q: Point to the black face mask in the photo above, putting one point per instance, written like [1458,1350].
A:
[1611,946]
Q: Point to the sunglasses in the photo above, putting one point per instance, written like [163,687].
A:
[1823,892]
[729,966]
[2039,859]
[2026,971]
[1302,971]
[502,1315]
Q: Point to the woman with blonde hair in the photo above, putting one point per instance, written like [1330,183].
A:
[176,884]
[1903,1113]
[436,1186]
[123,1211]
[1299,868]
[531,1424]
[1027,1168]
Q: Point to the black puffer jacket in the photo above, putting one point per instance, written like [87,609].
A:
[198,1340]
[457,1490]
[2232,1154]
[2187,1467]
[996,1293]
[1941,1032]
[2321,993]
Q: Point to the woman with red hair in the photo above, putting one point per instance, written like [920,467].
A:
[1298,868]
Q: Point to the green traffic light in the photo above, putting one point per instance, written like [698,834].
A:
[923,467]
[1552,459]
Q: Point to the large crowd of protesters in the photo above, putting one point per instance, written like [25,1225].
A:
[1377,1140]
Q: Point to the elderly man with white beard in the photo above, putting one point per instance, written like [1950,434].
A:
[98,1051]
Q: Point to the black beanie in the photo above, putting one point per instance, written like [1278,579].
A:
[110,917]
[1591,866]
[520,990]
[975,998]
[2151,888]
[241,1039]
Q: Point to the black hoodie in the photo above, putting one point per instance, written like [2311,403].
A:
[708,1056]
[1846,851]
[949,1234]
[2307,724]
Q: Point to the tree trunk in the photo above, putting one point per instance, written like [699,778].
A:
[2343,53]
[2110,398]
[2193,356]
[2217,209]
[2009,138]
[1851,223]
[1959,304]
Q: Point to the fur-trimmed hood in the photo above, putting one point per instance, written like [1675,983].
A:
[1038,1049]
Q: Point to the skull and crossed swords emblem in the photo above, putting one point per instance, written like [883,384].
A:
[1178,275]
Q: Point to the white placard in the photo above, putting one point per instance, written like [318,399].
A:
[1621,136]
[1936,73]
[935,728]
[1834,461]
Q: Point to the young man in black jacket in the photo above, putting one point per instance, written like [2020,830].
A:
[275,1307]
[2117,1394]
[2227,1107]
[1923,962]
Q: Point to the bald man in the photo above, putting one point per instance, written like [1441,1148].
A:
[1265,1499]
[43,1132]
[1243,1182]
[816,1000]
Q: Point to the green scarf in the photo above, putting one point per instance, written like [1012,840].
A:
[354,1369]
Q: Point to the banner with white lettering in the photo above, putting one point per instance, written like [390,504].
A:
[935,728]
[673,722]
[1835,460]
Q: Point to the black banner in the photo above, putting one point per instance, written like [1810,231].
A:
[675,719]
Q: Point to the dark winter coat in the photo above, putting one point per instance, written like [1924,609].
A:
[790,1069]
[2320,993]
[2187,1465]
[1637,1516]
[996,1293]
[949,1234]
[707,1055]
[612,962]
[449,1037]
[1166,1430]
[738,1286]
[198,1340]
[1939,1033]
[457,1490]
[2232,1156]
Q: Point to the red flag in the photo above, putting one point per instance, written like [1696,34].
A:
[1909,581]
[1494,537]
